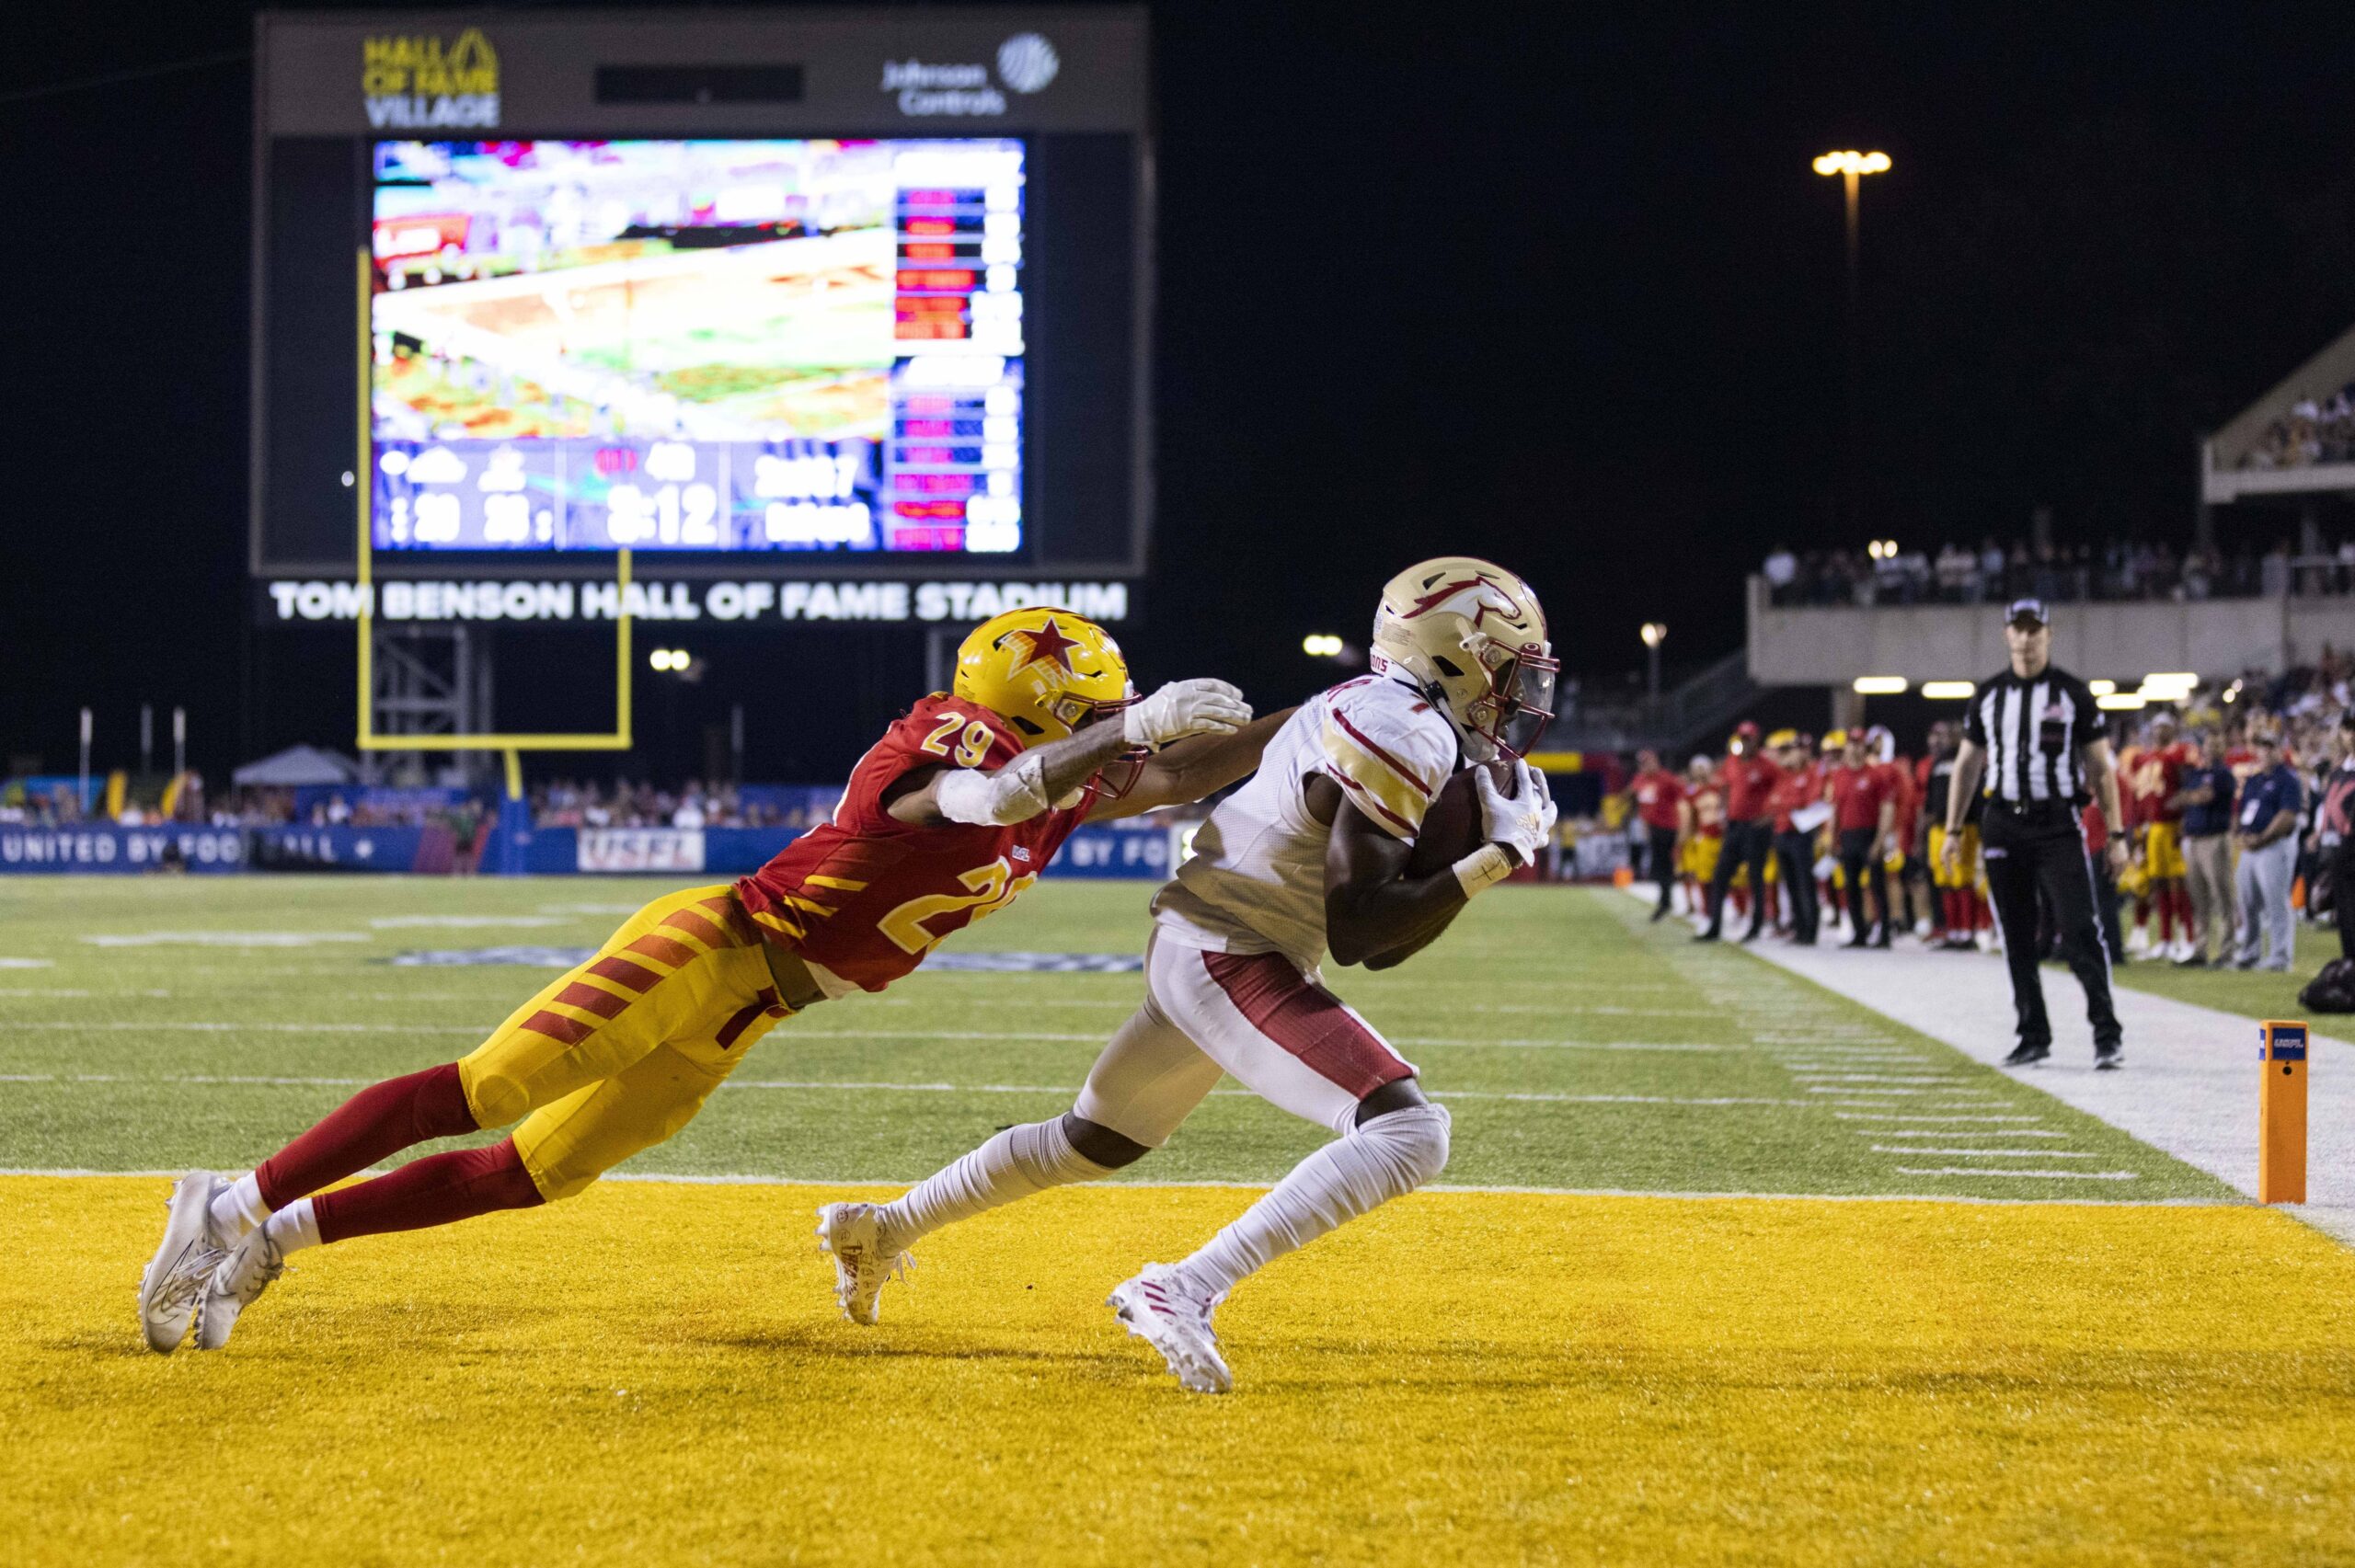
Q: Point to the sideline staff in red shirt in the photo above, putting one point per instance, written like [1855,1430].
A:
[1658,793]
[1863,793]
[1747,778]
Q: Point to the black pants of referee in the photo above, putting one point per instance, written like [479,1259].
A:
[1796,850]
[1747,843]
[2041,846]
[1859,864]
[1659,863]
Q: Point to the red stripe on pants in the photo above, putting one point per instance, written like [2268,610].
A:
[1306,1020]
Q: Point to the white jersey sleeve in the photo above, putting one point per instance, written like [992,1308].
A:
[1255,880]
[1388,749]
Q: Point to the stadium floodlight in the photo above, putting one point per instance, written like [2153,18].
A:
[2122,702]
[1949,690]
[1321,645]
[2176,685]
[1654,633]
[2101,688]
[1852,164]
[1879,685]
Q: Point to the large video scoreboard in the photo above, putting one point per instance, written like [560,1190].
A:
[755,294]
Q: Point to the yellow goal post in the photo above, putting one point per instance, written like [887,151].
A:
[363,477]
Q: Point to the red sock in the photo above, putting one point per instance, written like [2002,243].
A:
[2183,908]
[436,1190]
[1983,914]
[381,1120]
[2167,915]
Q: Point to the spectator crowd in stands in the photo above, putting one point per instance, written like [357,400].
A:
[2314,430]
[568,803]
[1994,573]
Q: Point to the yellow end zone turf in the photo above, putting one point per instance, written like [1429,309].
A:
[654,1374]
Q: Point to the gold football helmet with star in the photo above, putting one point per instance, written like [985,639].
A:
[1045,671]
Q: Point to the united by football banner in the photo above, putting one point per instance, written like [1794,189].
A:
[1101,849]
[110,850]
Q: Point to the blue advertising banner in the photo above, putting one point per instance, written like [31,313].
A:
[1113,850]
[342,849]
[107,849]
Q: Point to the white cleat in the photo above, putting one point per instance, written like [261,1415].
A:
[251,1267]
[175,1276]
[852,1234]
[1986,939]
[1159,1309]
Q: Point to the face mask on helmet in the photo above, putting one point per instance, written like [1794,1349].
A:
[1520,702]
[1120,775]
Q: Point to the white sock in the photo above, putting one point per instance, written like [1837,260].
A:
[1378,1160]
[1015,1163]
[238,1207]
[294,1227]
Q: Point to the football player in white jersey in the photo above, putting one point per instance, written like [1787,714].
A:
[1309,856]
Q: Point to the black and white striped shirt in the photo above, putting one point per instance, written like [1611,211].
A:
[2031,729]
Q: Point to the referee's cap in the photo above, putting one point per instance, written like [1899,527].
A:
[2026,612]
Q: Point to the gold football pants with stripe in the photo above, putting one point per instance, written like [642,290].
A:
[623,1051]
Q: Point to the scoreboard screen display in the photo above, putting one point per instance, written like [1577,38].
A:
[704,345]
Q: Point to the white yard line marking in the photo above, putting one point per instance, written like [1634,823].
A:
[868,1086]
[2040,1175]
[1985,1153]
[1861,1116]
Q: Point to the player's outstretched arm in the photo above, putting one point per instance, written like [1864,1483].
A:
[1194,769]
[1044,774]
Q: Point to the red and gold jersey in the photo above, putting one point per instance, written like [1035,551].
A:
[866,896]
[1709,803]
[2152,777]
[1899,777]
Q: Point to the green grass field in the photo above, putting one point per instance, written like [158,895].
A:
[195,1022]
[1582,1359]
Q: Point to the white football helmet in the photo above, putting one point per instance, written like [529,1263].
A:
[1471,638]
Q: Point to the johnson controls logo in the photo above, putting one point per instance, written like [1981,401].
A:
[418,82]
[1026,62]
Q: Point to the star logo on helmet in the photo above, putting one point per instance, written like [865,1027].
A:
[1049,642]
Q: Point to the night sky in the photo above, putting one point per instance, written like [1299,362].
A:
[1564,292]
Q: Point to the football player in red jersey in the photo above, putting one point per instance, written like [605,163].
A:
[953,812]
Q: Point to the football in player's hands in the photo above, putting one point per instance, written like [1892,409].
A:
[1184,708]
[1453,824]
[1520,819]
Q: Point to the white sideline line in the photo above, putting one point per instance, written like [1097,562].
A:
[2040,1175]
[1533,1096]
[1440,1188]
[1985,1153]
[118,1025]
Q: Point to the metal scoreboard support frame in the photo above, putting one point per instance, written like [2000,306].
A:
[416,693]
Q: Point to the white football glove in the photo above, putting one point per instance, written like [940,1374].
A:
[1184,708]
[1521,822]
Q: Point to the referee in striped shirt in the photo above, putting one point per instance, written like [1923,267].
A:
[2036,741]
